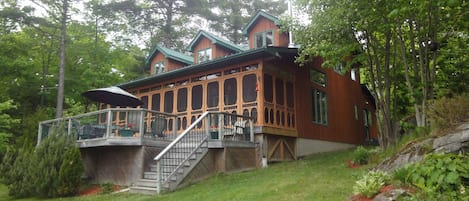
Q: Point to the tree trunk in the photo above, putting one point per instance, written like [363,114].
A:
[60,91]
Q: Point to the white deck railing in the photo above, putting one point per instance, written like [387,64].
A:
[113,123]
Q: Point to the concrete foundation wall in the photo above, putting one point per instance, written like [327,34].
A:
[308,146]
[240,159]
[120,165]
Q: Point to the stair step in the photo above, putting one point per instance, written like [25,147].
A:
[150,175]
[173,163]
[143,190]
[151,183]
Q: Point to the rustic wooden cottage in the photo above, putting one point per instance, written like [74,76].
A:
[240,106]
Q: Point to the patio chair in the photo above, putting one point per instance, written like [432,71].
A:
[159,125]
[239,128]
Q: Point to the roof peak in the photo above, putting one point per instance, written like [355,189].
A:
[216,40]
[172,54]
[260,13]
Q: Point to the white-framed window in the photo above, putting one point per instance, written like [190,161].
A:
[263,39]
[319,106]
[353,74]
[204,55]
[340,68]
[159,67]
[355,107]
[317,77]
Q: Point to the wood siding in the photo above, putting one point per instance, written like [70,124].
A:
[343,94]
[217,51]
[169,64]
[263,24]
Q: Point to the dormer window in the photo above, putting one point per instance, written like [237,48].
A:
[204,55]
[264,39]
[159,67]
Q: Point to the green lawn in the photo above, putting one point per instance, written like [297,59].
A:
[318,177]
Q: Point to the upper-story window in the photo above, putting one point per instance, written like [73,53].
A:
[317,77]
[159,67]
[204,55]
[340,68]
[263,39]
[353,74]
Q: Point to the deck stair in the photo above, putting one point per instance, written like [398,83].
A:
[175,162]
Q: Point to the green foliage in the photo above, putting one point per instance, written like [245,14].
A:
[6,123]
[52,169]
[70,172]
[107,187]
[370,184]
[438,177]
[19,177]
[361,155]
[446,112]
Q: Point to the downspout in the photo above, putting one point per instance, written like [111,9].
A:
[290,32]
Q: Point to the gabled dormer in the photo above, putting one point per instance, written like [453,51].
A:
[163,59]
[263,30]
[206,46]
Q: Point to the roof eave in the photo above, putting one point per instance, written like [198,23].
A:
[256,17]
[229,60]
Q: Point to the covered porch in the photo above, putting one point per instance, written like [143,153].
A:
[143,127]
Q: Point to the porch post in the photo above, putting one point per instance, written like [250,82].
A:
[251,130]
[175,126]
[39,135]
[220,121]
[207,125]
[141,130]
[69,129]
[109,122]
[158,177]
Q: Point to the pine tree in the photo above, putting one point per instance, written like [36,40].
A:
[70,172]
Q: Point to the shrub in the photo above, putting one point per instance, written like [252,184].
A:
[70,172]
[53,169]
[447,112]
[438,177]
[19,177]
[361,155]
[371,183]
[107,187]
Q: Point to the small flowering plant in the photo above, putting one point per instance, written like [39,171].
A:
[127,126]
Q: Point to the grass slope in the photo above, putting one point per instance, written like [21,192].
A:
[319,177]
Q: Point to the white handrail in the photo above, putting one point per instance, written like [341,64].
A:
[183,134]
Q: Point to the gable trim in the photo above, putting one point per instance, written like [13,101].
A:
[171,54]
[256,17]
[215,40]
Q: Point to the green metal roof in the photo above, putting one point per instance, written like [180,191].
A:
[216,40]
[279,52]
[178,56]
[256,17]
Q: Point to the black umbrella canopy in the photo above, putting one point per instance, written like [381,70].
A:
[113,96]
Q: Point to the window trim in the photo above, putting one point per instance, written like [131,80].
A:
[264,37]
[160,69]
[195,97]
[353,74]
[313,80]
[319,110]
[205,54]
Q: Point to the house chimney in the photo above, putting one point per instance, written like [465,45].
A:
[290,32]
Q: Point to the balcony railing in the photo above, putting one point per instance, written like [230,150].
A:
[114,123]
[133,123]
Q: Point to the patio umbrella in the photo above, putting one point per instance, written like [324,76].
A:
[113,96]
